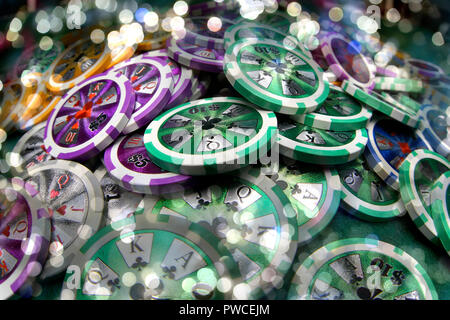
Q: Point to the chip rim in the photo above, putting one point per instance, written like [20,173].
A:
[410,196]
[159,98]
[206,163]
[306,271]
[440,209]
[151,183]
[264,98]
[105,136]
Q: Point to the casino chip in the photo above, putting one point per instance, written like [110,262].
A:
[152,83]
[440,208]
[29,150]
[423,68]
[300,142]
[339,112]
[182,79]
[195,57]
[385,104]
[435,126]
[201,32]
[417,175]
[89,117]
[274,77]
[74,200]
[119,202]
[260,31]
[347,61]
[129,165]
[78,62]
[398,84]
[345,270]
[154,257]
[366,196]
[314,192]
[10,97]
[389,144]
[24,236]
[34,61]
[252,216]
[210,136]
[38,111]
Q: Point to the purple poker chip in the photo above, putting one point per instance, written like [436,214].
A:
[152,82]
[346,60]
[424,68]
[130,166]
[89,117]
[195,57]
[205,33]
[182,78]
[24,236]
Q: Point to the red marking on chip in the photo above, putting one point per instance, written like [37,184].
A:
[54,194]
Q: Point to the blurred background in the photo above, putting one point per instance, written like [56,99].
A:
[418,27]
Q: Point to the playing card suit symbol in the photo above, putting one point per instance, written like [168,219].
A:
[99,101]
[134,78]
[62,210]
[54,194]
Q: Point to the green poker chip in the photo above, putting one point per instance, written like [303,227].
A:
[151,257]
[385,104]
[366,196]
[417,174]
[210,136]
[339,112]
[314,192]
[253,217]
[361,269]
[250,30]
[398,84]
[440,198]
[275,77]
[301,142]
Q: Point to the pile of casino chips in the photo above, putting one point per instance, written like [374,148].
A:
[195,165]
